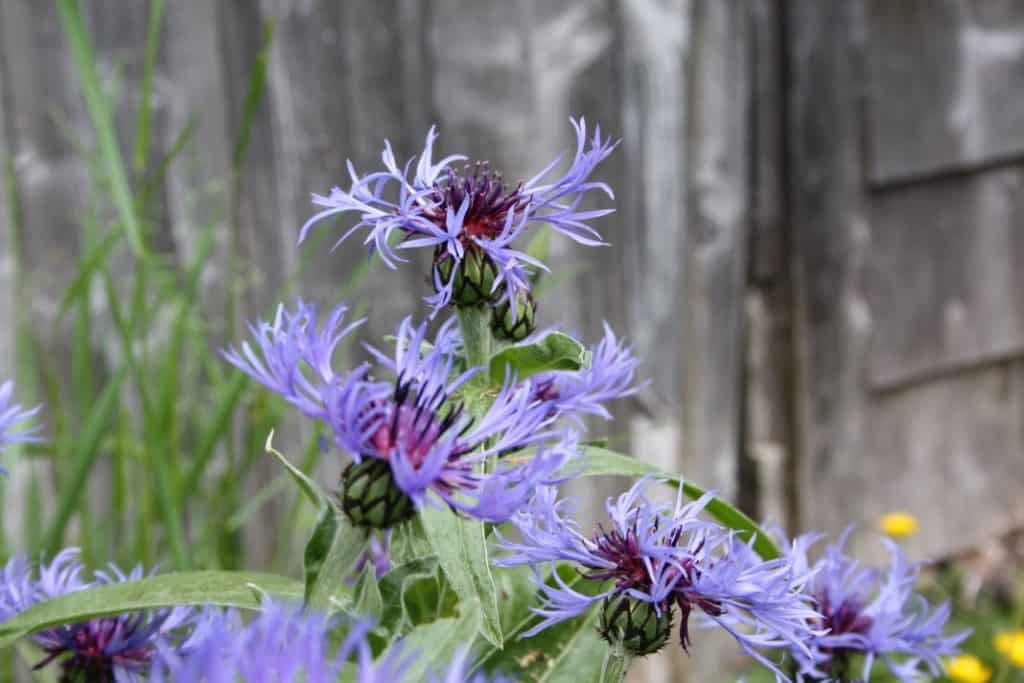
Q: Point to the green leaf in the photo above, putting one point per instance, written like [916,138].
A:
[601,461]
[331,554]
[310,488]
[409,542]
[98,105]
[570,651]
[86,449]
[556,351]
[436,643]
[226,589]
[411,595]
[461,548]
[368,601]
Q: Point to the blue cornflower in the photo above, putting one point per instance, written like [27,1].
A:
[410,438]
[117,648]
[470,218]
[11,415]
[652,559]
[864,611]
[295,355]
[584,392]
[283,644]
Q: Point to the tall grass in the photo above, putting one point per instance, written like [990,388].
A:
[151,439]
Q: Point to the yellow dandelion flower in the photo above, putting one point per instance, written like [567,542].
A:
[898,525]
[968,669]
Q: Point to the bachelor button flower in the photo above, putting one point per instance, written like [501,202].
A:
[575,394]
[468,217]
[116,648]
[654,558]
[283,644]
[12,414]
[294,358]
[410,439]
[876,614]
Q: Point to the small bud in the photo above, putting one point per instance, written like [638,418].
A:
[635,625]
[370,497]
[474,276]
[515,324]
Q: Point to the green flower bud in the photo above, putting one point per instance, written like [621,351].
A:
[370,497]
[474,276]
[515,324]
[635,625]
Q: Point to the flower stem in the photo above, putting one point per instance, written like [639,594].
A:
[476,334]
[616,664]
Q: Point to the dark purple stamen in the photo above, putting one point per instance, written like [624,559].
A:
[489,200]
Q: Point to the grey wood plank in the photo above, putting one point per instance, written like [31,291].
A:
[831,242]
[944,275]
[949,453]
[944,75]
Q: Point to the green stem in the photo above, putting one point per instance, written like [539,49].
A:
[476,334]
[616,664]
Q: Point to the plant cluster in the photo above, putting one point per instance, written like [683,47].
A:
[446,551]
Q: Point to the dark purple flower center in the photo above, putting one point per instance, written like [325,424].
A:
[844,618]
[630,572]
[97,646]
[490,201]
[413,425]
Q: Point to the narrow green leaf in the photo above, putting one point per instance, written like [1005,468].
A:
[368,601]
[601,461]
[216,430]
[309,488]
[331,554]
[556,351]
[94,259]
[102,120]
[227,589]
[142,137]
[461,547]
[436,643]
[253,98]
[85,451]
[569,652]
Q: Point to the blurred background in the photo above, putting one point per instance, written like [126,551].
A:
[817,249]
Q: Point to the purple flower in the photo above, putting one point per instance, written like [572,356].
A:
[872,613]
[117,648]
[433,450]
[284,644]
[654,558]
[411,440]
[468,213]
[576,394]
[294,358]
[11,415]
[281,644]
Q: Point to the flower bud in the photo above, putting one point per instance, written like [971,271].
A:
[635,625]
[515,324]
[371,498]
[474,276]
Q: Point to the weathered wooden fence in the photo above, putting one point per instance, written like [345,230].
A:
[819,239]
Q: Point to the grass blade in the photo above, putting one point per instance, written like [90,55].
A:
[102,120]
[86,450]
